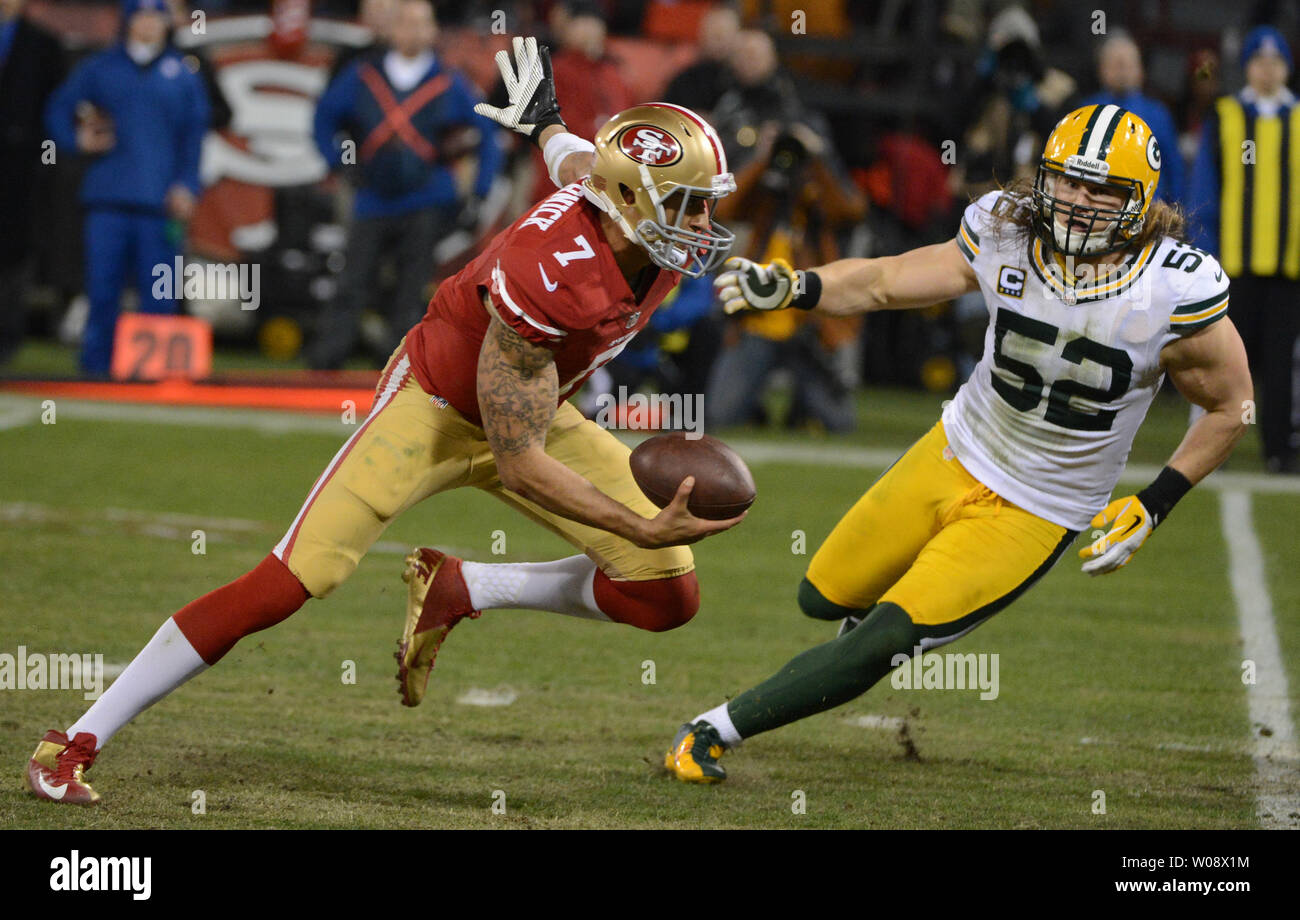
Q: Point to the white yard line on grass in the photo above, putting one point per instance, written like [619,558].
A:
[1274,747]
[168,525]
[266,420]
[757,452]
[19,415]
[270,421]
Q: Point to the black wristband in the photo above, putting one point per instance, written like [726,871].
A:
[809,286]
[536,135]
[1161,496]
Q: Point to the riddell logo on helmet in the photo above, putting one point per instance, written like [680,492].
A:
[1086,167]
[649,145]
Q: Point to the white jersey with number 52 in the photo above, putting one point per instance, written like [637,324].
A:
[1070,366]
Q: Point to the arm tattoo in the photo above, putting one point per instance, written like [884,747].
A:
[517,390]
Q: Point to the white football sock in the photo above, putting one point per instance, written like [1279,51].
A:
[564,586]
[163,665]
[720,719]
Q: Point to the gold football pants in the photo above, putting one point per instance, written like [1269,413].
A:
[412,445]
[932,539]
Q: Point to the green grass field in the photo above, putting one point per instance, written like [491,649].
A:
[1129,684]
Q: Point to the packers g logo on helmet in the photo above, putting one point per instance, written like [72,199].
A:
[1102,145]
[1153,153]
[665,156]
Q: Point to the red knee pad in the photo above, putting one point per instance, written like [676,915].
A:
[657,605]
[252,602]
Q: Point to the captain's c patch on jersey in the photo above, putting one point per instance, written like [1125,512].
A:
[1072,359]
[1011,281]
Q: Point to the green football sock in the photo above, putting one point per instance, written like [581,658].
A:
[814,604]
[827,675]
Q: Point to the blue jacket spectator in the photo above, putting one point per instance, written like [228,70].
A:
[159,113]
[405,117]
[141,114]
[397,134]
[1119,69]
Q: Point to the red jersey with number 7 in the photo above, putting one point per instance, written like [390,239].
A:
[551,277]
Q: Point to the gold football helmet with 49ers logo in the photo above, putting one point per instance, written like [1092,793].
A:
[672,163]
[1098,145]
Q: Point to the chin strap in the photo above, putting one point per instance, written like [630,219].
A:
[609,208]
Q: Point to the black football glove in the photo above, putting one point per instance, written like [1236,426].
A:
[530,89]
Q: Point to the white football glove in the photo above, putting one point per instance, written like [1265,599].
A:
[747,285]
[530,89]
[1130,525]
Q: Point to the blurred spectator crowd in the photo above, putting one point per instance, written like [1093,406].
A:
[335,144]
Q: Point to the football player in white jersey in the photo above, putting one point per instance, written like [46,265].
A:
[1093,298]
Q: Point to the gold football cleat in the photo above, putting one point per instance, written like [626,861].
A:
[57,769]
[694,755]
[437,599]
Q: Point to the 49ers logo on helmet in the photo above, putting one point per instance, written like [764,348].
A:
[649,145]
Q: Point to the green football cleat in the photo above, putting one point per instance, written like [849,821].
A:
[847,625]
[694,754]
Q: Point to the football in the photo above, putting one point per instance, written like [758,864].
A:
[723,484]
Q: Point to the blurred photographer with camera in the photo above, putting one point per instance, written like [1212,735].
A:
[796,203]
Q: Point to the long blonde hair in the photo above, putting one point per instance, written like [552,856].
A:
[1013,214]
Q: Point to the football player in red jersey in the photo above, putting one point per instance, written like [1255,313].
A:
[475,396]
